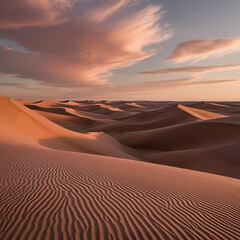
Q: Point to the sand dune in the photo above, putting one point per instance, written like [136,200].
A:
[49,194]
[69,102]
[185,136]
[148,120]
[66,117]
[126,106]
[173,134]
[230,111]
[201,114]
[47,103]
[20,124]
[208,105]
[26,102]
[133,104]
[55,185]
[210,146]
[109,107]
[97,108]
[220,159]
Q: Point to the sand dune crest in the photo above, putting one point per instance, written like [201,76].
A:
[201,114]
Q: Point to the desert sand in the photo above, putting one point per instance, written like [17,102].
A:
[97,170]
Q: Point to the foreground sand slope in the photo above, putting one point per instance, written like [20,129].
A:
[50,194]
[19,124]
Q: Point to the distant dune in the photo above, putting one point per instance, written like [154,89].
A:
[66,117]
[208,105]
[201,114]
[57,183]
[148,120]
[21,125]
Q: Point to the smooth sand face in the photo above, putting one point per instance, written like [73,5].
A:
[55,185]
[23,126]
[201,114]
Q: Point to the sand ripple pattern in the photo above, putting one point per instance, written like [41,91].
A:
[42,198]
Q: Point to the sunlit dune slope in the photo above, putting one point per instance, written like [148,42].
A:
[201,114]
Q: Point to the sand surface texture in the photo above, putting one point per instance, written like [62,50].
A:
[94,170]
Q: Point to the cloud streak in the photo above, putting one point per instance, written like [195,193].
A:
[163,84]
[108,9]
[78,50]
[191,69]
[22,13]
[17,85]
[110,91]
[197,50]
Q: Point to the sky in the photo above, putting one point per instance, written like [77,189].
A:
[120,49]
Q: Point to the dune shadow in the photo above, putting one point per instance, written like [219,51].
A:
[62,143]
[90,146]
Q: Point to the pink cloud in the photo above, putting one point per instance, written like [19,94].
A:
[81,50]
[48,69]
[110,91]
[108,9]
[162,84]
[200,49]
[20,13]
[191,69]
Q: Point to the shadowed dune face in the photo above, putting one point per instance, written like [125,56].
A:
[185,136]
[60,195]
[210,146]
[208,105]
[222,160]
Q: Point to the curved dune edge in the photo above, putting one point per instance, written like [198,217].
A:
[201,114]
[115,109]
[21,125]
[221,160]
[195,135]
[48,194]
[208,105]
[65,117]
[133,104]
[152,119]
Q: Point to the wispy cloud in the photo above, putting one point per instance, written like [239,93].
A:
[191,69]
[107,9]
[18,85]
[143,87]
[22,13]
[65,49]
[162,84]
[200,49]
